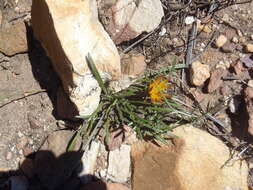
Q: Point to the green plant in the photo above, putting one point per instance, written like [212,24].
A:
[135,107]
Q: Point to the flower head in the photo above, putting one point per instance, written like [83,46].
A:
[157,89]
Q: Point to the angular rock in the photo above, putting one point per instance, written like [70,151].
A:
[196,155]
[228,47]
[235,40]
[248,96]
[199,73]
[100,185]
[249,48]
[13,39]
[216,79]
[129,18]
[247,60]
[250,83]
[69,30]
[238,67]
[133,65]
[220,41]
[119,164]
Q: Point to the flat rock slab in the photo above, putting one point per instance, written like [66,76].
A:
[119,164]
[196,160]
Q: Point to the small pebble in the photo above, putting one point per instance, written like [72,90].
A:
[251,37]
[189,20]
[235,40]
[249,48]
[20,134]
[220,41]
[250,83]
[242,40]
[8,156]
[199,73]
[163,31]
[239,33]
[234,105]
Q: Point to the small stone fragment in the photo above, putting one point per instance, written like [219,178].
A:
[189,20]
[8,156]
[228,48]
[247,60]
[235,40]
[133,65]
[251,37]
[239,33]
[250,83]
[13,39]
[220,41]
[33,120]
[198,95]
[234,104]
[249,48]
[238,67]
[199,73]
[242,39]
[119,164]
[216,79]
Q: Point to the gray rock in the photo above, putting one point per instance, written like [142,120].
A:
[129,18]
[119,164]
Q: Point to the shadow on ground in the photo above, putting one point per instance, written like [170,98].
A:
[48,79]
[42,170]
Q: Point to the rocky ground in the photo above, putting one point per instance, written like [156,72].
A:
[32,104]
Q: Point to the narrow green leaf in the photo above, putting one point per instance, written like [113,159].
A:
[95,72]
[72,142]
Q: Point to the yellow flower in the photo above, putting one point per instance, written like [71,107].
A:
[157,89]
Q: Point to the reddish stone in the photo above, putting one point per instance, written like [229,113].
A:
[216,79]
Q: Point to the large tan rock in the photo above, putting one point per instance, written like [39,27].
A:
[195,161]
[69,30]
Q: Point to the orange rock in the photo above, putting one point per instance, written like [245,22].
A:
[194,161]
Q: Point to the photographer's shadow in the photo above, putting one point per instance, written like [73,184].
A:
[42,170]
